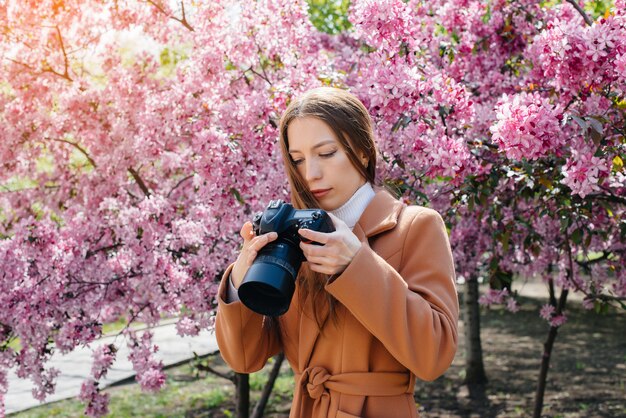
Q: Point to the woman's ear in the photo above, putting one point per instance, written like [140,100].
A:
[364,160]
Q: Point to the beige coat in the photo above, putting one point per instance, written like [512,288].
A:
[397,319]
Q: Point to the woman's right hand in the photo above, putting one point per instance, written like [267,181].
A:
[252,244]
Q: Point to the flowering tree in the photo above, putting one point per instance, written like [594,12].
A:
[539,160]
[519,106]
[139,136]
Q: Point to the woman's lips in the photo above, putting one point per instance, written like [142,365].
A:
[320,193]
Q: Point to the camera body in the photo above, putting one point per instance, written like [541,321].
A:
[268,286]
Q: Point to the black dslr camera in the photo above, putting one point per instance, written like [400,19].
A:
[269,284]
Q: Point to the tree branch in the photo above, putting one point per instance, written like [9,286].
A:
[574,4]
[179,183]
[609,197]
[66,61]
[78,147]
[48,69]
[91,253]
[139,182]
[253,71]
[207,368]
[183,21]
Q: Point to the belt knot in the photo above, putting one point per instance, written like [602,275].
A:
[315,379]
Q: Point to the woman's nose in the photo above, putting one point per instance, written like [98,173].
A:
[313,170]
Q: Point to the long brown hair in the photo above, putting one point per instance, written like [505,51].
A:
[350,121]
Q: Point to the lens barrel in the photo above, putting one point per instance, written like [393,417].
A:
[268,286]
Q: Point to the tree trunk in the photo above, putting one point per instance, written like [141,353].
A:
[242,397]
[267,389]
[547,353]
[474,368]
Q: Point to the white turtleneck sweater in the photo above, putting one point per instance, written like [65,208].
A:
[349,212]
[352,210]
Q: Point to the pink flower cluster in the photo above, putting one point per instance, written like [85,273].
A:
[583,172]
[575,57]
[385,24]
[149,371]
[548,311]
[499,297]
[96,401]
[527,126]
[103,358]
[448,157]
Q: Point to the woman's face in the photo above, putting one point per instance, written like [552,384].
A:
[322,162]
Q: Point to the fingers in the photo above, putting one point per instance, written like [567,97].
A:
[312,250]
[256,243]
[321,268]
[315,236]
[247,232]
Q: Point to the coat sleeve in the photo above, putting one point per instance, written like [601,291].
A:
[414,311]
[244,343]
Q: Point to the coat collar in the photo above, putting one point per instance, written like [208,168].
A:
[379,216]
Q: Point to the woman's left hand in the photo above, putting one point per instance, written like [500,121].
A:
[337,251]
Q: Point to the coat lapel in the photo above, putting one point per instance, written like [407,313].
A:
[380,215]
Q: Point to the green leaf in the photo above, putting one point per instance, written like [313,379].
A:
[566,221]
[596,131]
[329,16]
[577,236]
[237,195]
[506,238]
[580,121]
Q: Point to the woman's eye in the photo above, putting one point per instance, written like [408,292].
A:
[328,154]
[297,162]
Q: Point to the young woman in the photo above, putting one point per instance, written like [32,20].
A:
[375,306]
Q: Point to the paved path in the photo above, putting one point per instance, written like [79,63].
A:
[75,367]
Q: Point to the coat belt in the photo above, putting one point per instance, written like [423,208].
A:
[318,382]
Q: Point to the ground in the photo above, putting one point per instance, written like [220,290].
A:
[587,377]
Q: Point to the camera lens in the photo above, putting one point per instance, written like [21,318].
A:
[270,281]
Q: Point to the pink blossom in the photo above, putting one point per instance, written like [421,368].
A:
[97,402]
[103,358]
[620,66]
[149,371]
[151,379]
[583,171]
[384,23]
[448,157]
[187,326]
[588,303]
[558,320]
[546,312]
[528,126]
[512,305]
[494,297]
